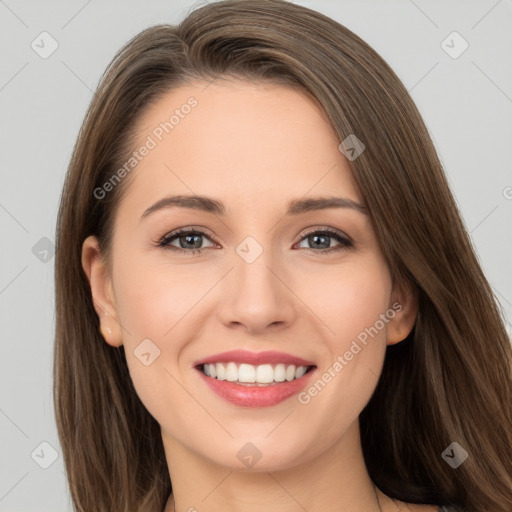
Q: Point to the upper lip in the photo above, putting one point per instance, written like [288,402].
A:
[255,358]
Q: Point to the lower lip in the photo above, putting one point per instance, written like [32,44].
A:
[256,396]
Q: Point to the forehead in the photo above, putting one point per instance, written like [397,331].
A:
[247,143]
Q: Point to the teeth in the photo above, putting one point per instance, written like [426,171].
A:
[248,373]
[221,371]
[300,371]
[280,373]
[231,372]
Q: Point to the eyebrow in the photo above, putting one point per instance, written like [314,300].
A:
[210,205]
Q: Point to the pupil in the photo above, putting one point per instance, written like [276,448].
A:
[316,237]
[189,240]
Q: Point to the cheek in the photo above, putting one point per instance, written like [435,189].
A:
[153,299]
[349,300]
[152,305]
[351,306]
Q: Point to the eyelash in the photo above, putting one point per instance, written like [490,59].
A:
[345,242]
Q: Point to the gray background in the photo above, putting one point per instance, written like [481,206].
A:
[466,103]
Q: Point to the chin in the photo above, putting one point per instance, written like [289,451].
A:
[260,454]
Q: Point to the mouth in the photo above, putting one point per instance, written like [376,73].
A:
[248,379]
[244,374]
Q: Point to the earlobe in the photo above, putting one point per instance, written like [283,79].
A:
[404,303]
[102,295]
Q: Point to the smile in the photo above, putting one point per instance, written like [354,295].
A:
[263,374]
[255,379]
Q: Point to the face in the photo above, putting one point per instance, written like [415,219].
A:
[289,288]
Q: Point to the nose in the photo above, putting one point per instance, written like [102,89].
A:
[257,296]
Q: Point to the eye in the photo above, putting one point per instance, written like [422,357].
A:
[321,239]
[188,240]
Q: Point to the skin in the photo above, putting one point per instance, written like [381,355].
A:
[255,147]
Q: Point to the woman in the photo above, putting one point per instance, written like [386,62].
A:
[265,293]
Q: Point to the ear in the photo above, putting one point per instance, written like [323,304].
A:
[404,303]
[100,281]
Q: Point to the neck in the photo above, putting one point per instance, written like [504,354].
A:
[335,480]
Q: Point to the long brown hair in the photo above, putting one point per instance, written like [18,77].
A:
[449,381]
